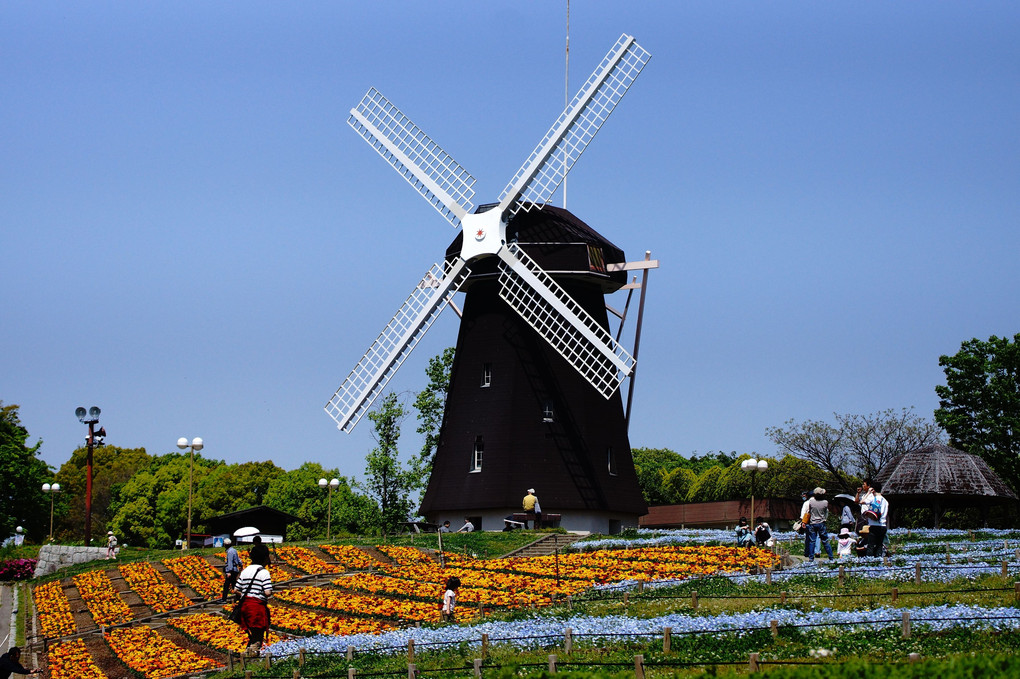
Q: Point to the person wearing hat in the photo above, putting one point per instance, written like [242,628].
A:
[111,545]
[531,506]
[846,543]
[818,511]
[231,569]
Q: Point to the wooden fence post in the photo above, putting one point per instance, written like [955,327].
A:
[768,576]
[914,657]
[301,657]
[478,668]
[485,646]
[667,639]
[782,597]
[1005,568]
[552,664]
[626,599]
[895,593]
[269,661]
[639,667]
[752,662]
[296,674]
[568,640]
[917,573]
[842,575]
[774,628]
[352,672]
[412,670]
[906,624]
[1016,591]
[247,674]
[640,586]
[230,660]
[570,602]
[410,650]
[350,653]
[694,599]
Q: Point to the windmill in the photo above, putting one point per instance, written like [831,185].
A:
[534,331]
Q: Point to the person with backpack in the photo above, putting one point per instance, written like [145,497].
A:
[255,586]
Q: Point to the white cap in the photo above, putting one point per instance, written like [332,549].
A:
[531,490]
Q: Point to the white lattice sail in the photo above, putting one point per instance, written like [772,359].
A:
[357,393]
[432,172]
[544,170]
[562,322]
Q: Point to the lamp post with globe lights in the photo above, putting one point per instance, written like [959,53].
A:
[96,436]
[753,466]
[196,444]
[332,484]
[51,490]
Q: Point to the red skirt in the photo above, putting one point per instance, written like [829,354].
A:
[254,614]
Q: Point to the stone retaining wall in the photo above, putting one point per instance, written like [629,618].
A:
[54,557]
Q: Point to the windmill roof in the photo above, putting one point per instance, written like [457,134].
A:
[939,471]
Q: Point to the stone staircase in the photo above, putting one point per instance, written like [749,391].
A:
[545,545]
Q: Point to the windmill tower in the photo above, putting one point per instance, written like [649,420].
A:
[534,396]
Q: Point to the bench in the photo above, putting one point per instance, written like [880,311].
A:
[548,520]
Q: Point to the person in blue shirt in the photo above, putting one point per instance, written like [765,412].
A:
[231,569]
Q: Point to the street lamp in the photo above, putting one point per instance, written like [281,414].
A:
[91,418]
[51,490]
[753,466]
[333,484]
[196,444]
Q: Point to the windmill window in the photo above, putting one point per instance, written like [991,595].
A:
[476,454]
[611,460]
[548,414]
[486,374]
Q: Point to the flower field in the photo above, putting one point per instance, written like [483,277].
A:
[304,560]
[198,574]
[153,655]
[96,590]
[157,593]
[402,593]
[349,557]
[55,619]
[216,631]
[71,660]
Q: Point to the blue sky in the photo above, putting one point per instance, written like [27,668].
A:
[195,241]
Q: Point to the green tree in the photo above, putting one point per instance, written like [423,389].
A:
[677,484]
[297,492]
[652,466]
[233,487]
[22,474]
[858,445]
[430,404]
[706,487]
[112,467]
[979,405]
[386,481]
[153,503]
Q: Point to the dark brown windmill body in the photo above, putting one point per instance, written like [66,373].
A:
[535,397]
[518,416]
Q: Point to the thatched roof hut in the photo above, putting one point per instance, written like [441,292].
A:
[941,477]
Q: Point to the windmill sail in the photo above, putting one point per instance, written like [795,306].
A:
[544,170]
[357,393]
[562,322]
[428,168]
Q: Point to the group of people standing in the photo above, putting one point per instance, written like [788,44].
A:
[863,535]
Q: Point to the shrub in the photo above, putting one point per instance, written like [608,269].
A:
[17,569]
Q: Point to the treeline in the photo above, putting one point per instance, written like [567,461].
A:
[667,477]
[143,498]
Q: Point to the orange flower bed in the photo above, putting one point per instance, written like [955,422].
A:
[304,622]
[304,560]
[153,655]
[72,660]
[360,604]
[157,593]
[106,607]
[216,631]
[495,592]
[198,574]
[275,572]
[405,556]
[472,573]
[349,557]
[55,617]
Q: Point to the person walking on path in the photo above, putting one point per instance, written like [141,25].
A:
[818,511]
[111,545]
[255,587]
[231,569]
